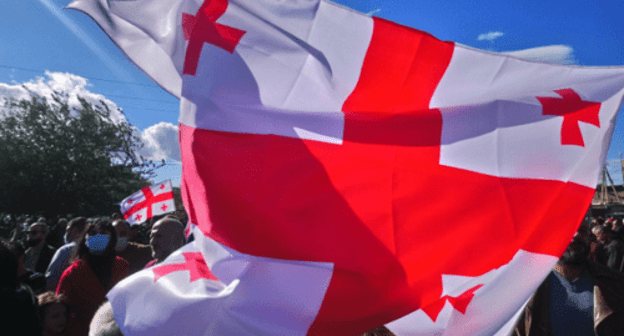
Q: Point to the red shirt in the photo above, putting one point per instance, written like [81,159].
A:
[85,293]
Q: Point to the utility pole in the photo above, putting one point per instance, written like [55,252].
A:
[622,168]
[617,198]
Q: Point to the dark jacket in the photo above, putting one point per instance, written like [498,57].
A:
[137,255]
[608,306]
[18,312]
[47,252]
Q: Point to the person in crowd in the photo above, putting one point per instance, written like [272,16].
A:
[20,233]
[34,280]
[598,251]
[593,222]
[95,271]
[18,314]
[55,237]
[579,297]
[6,225]
[60,261]
[614,248]
[137,255]
[167,235]
[53,313]
[135,232]
[618,229]
[103,323]
[38,254]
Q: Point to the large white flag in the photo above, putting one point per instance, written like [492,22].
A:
[431,176]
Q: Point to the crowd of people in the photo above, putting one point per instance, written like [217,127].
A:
[53,278]
[584,293]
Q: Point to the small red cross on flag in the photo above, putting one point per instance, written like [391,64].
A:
[148,202]
[460,303]
[574,110]
[204,28]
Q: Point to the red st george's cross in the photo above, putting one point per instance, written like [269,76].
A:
[391,148]
[573,110]
[204,28]
[150,200]
[195,264]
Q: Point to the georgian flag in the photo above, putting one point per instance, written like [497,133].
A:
[148,202]
[433,177]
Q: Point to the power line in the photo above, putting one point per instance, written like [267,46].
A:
[92,78]
[139,98]
[112,95]
[148,109]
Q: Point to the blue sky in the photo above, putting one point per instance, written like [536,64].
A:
[39,36]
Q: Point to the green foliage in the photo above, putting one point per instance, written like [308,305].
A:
[55,159]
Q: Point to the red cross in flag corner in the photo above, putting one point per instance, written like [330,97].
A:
[573,109]
[203,28]
[195,265]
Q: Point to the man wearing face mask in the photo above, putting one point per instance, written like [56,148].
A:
[60,260]
[137,255]
[38,254]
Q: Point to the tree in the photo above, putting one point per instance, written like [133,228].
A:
[56,159]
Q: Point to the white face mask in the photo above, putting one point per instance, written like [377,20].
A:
[122,242]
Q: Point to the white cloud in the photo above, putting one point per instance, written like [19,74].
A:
[491,36]
[557,54]
[373,12]
[72,85]
[161,142]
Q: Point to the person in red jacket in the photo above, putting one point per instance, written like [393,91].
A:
[95,271]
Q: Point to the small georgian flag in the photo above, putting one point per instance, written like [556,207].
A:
[148,202]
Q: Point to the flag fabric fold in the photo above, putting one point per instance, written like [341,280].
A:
[233,293]
[441,183]
[148,202]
